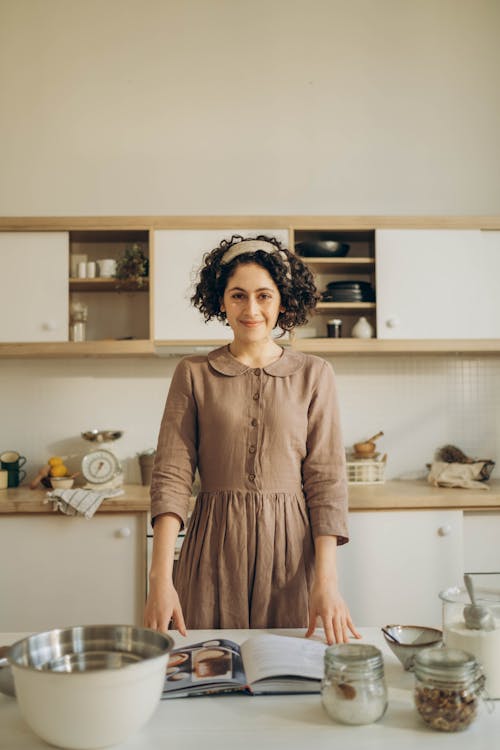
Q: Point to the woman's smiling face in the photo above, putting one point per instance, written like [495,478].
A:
[252,303]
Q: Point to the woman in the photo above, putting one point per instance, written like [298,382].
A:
[261,423]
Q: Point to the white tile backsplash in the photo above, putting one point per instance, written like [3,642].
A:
[420,402]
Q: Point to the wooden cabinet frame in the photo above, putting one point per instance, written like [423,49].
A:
[295,224]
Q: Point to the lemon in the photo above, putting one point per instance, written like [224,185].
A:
[55,460]
[59,470]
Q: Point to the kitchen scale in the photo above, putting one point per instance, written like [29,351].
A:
[100,467]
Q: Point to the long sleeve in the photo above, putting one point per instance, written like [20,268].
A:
[323,469]
[176,454]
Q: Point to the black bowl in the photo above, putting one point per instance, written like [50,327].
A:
[322,249]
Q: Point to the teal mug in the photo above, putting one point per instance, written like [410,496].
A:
[12,461]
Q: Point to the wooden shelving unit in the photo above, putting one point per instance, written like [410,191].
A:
[105,237]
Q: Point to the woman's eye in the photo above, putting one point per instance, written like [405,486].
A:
[265,296]
[237,295]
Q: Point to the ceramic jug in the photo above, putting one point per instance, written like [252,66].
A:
[362,329]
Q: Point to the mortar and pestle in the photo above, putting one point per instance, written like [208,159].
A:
[366,449]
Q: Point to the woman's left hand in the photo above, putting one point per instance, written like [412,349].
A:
[327,604]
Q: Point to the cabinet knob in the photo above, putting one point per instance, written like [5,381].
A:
[444,530]
[392,322]
[49,325]
[123,533]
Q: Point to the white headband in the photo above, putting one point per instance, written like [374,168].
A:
[253,246]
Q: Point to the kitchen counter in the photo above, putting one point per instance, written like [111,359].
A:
[390,495]
[289,722]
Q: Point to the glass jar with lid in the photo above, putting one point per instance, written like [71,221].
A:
[353,690]
[481,639]
[448,685]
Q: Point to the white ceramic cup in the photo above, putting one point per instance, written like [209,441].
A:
[91,269]
[82,270]
[107,268]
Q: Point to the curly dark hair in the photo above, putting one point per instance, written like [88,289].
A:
[293,278]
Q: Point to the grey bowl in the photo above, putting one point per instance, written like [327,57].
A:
[409,640]
[6,677]
[322,249]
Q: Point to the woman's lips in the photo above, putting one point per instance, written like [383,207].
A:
[251,323]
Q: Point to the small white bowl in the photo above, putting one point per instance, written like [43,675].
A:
[62,483]
[411,639]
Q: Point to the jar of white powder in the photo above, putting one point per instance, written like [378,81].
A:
[484,645]
[353,690]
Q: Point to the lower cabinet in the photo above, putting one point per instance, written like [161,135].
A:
[59,570]
[397,562]
[482,542]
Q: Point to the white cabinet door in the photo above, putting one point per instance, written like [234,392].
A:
[482,542]
[178,254]
[59,570]
[34,275]
[434,284]
[397,562]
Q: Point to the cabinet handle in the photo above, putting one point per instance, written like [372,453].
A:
[49,325]
[444,530]
[123,533]
[392,322]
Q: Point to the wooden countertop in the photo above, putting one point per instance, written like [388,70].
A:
[23,500]
[391,495]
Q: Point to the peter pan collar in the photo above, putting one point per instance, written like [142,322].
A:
[223,361]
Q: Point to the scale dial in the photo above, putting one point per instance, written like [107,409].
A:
[100,466]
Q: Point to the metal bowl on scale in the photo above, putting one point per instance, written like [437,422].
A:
[102,436]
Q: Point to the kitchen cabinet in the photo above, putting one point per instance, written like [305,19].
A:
[437,284]
[178,254]
[435,280]
[482,542]
[34,286]
[357,265]
[397,562]
[59,570]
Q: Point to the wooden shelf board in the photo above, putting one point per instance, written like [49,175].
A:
[340,265]
[297,222]
[107,285]
[397,346]
[325,306]
[76,349]
[148,348]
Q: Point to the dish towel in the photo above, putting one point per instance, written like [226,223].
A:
[457,475]
[80,502]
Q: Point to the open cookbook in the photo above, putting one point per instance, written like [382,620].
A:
[262,664]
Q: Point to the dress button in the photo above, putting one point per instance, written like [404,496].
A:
[251,477]
[254,423]
[251,449]
[256,397]
[257,371]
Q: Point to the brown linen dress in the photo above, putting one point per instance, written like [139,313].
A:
[269,450]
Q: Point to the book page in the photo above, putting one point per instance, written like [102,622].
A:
[266,656]
[203,668]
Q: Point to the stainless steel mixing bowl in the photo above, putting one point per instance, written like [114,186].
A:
[89,686]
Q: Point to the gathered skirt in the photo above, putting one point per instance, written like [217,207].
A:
[246,562]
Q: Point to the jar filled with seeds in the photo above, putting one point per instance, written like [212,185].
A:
[448,686]
[353,690]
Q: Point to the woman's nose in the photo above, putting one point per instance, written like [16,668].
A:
[252,306]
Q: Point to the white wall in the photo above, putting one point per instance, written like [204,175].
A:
[232,106]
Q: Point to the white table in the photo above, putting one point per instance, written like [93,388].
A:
[289,722]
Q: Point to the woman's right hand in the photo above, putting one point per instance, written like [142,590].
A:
[163,607]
